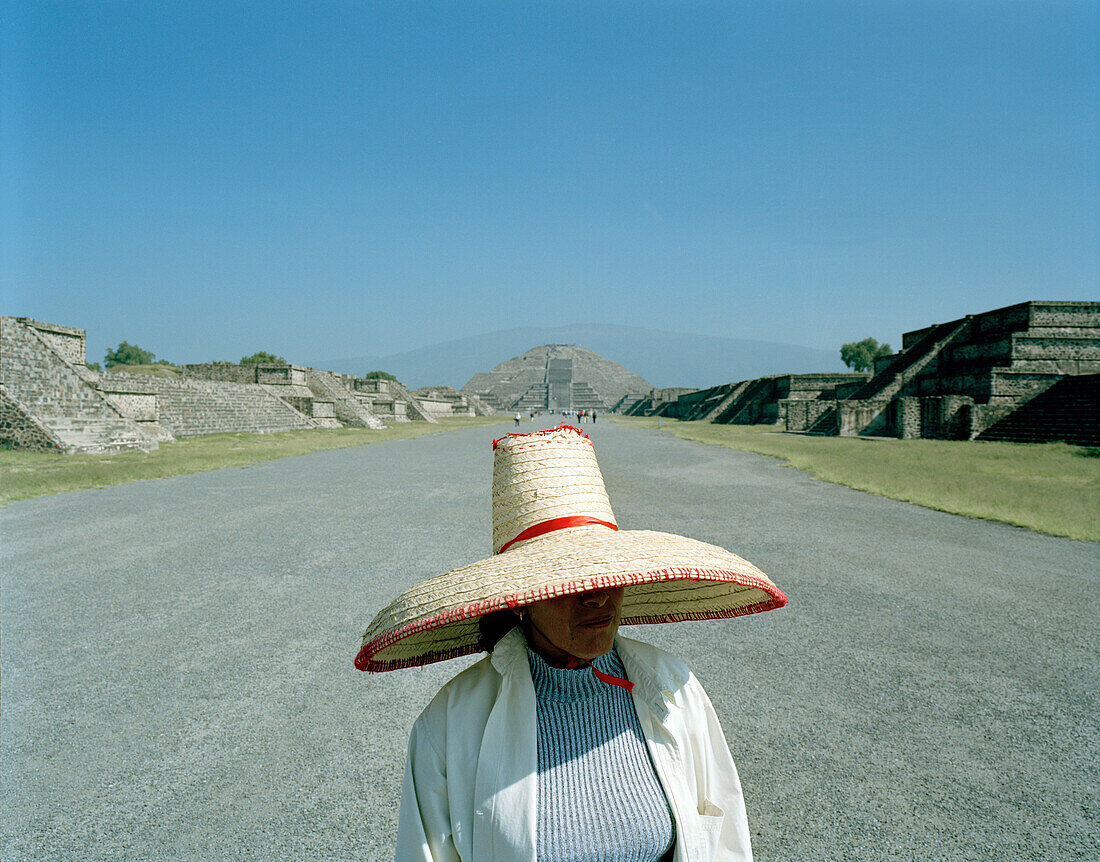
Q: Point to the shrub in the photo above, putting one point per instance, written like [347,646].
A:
[263,358]
[128,354]
[861,355]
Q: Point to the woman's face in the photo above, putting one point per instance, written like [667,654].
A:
[582,624]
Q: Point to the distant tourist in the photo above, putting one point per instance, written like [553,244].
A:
[517,419]
[567,741]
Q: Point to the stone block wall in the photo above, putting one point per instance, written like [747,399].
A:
[139,406]
[337,388]
[228,372]
[39,378]
[225,372]
[20,430]
[866,416]
[461,403]
[671,393]
[477,406]
[69,342]
[302,405]
[628,401]
[274,375]
[190,408]
[1068,411]
[391,401]
[808,387]
[972,373]
[50,388]
[406,407]
[436,409]
[938,417]
[1064,314]
[375,385]
[387,409]
[1000,321]
[984,384]
[1047,337]
[801,415]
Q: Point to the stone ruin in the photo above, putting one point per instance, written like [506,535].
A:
[50,399]
[1027,373]
[762,400]
[556,377]
[445,401]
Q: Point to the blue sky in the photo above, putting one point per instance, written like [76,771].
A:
[341,179]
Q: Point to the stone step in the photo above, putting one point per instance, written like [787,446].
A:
[1069,410]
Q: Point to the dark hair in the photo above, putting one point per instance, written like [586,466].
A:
[492,627]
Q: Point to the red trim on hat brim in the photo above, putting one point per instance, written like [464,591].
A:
[365,659]
[565,426]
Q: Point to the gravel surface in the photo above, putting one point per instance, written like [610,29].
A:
[178,683]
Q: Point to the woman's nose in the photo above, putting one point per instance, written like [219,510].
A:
[595,600]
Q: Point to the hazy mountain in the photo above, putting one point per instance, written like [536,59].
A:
[665,358]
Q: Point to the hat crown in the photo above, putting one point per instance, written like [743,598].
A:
[545,477]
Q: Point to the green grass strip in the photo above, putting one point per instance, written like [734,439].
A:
[31,474]
[1052,488]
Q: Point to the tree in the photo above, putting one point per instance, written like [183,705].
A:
[383,375]
[263,358]
[861,355]
[128,354]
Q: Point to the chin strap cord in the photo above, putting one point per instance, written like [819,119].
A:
[575,661]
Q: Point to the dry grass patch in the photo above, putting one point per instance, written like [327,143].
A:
[155,370]
[31,474]
[1049,487]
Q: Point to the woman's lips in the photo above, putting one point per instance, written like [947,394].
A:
[599,623]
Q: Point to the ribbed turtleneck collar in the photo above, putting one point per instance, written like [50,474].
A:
[570,684]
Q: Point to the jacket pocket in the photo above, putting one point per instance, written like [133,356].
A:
[711,818]
[709,810]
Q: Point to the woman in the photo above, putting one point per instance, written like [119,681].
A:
[567,742]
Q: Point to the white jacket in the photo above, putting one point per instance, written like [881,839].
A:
[470,780]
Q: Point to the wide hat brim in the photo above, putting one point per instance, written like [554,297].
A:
[667,578]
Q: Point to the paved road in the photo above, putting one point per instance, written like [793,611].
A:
[177,679]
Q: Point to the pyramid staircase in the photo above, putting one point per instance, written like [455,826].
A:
[824,425]
[535,398]
[60,398]
[744,406]
[723,399]
[587,398]
[908,364]
[191,407]
[350,410]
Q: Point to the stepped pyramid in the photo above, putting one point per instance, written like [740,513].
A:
[49,399]
[556,377]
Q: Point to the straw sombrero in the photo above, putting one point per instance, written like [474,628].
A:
[554,534]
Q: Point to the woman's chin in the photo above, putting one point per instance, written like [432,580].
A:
[592,644]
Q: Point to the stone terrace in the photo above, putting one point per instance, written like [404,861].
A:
[190,408]
[49,401]
[1025,372]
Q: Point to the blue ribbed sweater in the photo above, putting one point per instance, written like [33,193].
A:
[599,799]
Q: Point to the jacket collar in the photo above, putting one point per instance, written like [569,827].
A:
[510,653]
[652,685]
